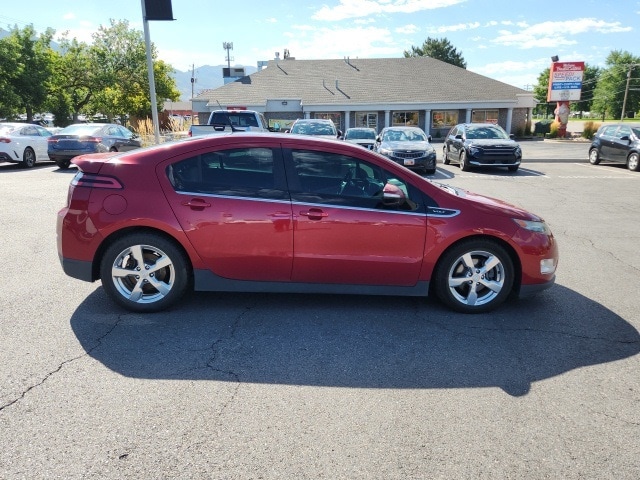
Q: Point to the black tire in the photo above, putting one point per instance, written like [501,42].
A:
[131,275]
[594,156]
[470,288]
[430,172]
[113,149]
[632,162]
[63,164]
[28,158]
[513,168]
[464,163]
[445,156]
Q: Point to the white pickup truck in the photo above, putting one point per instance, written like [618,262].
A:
[231,120]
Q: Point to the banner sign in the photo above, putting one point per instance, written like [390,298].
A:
[565,81]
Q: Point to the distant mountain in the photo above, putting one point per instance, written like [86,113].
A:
[207,77]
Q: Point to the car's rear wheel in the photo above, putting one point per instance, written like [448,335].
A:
[464,162]
[474,276]
[445,155]
[632,162]
[594,156]
[63,164]
[28,158]
[145,272]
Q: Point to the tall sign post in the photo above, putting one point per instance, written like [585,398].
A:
[565,85]
[154,10]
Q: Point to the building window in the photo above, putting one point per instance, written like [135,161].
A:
[334,117]
[484,116]
[404,118]
[367,120]
[444,118]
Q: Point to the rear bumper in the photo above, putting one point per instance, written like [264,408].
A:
[80,269]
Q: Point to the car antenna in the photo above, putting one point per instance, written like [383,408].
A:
[226,115]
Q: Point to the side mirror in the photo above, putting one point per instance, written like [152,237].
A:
[429,138]
[458,137]
[378,139]
[512,136]
[339,134]
[624,137]
[393,196]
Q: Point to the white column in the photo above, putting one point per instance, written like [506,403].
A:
[386,118]
[468,120]
[427,121]
[347,120]
[509,120]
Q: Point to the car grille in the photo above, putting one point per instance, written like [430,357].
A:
[409,153]
[496,155]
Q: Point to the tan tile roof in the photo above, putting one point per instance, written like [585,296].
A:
[363,81]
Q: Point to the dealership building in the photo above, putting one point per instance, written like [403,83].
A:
[371,92]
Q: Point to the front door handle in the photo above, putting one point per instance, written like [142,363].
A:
[314,214]
[196,204]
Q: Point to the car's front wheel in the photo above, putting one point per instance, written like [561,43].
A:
[632,162]
[445,155]
[474,276]
[464,162]
[594,156]
[28,158]
[145,272]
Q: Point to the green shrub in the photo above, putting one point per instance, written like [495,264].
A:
[553,129]
[542,127]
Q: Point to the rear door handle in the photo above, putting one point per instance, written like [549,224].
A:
[196,204]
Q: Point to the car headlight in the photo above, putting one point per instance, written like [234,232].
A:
[533,226]
[475,151]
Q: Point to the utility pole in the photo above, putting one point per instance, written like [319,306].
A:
[228,46]
[626,92]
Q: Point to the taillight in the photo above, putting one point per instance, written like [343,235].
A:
[96,181]
[5,140]
[91,139]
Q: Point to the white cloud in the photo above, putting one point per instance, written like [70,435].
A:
[553,34]
[407,29]
[455,28]
[364,8]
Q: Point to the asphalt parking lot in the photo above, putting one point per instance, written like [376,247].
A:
[264,386]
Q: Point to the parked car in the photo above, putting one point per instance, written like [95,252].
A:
[365,137]
[231,120]
[291,213]
[81,138]
[318,127]
[408,146]
[616,143]
[23,143]
[481,145]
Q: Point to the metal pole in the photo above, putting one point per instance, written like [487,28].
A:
[152,81]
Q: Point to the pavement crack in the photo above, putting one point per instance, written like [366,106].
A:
[48,375]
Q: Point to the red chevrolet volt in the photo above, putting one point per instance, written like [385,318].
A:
[264,212]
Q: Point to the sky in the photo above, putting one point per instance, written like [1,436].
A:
[509,40]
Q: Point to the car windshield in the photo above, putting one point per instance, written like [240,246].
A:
[81,130]
[310,128]
[490,132]
[404,136]
[360,134]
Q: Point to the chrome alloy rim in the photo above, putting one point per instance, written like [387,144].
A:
[476,278]
[143,274]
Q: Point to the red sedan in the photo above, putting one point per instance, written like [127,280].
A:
[256,212]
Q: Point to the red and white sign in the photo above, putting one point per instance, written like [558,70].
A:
[565,81]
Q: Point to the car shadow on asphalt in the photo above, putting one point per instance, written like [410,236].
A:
[355,341]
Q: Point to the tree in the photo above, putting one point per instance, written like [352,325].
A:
[29,58]
[9,66]
[612,85]
[73,81]
[122,77]
[440,49]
